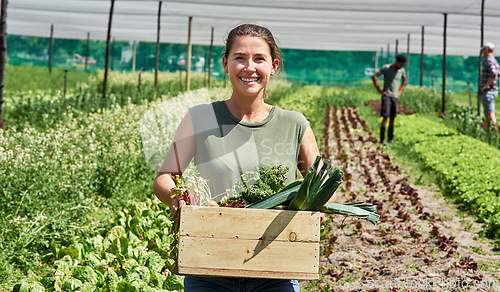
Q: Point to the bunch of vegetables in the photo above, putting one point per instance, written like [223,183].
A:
[313,192]
[266,189]
[256,186]
[180,190]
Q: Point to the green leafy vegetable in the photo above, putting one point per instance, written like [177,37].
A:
[257,185]
[313,192]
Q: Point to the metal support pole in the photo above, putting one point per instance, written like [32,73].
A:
[480,60]
[210,56]
[157,62]
[50,47]
[443,105]
[422,58]
[396,49]
[108,39]
[3,55]
[376,61]
[189,48]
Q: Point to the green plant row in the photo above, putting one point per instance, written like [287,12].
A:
[467,168]
[467,122]
[26,78]
[425,100]
[45,108]
[133,255]
[63,183]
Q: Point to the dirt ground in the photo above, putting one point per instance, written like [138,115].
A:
[420,242]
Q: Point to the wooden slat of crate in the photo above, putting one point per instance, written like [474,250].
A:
[254,243]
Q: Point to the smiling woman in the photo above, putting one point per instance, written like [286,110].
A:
[251,57]
[241,134]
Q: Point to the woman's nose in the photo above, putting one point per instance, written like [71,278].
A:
[250,66]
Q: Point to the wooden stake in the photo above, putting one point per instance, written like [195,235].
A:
[422,58]
[189,48]
[443,106]
[470,97]
[210,56]
[134,52]
[157,61]
[64,81]
[139,81]
[3,54]
[408,58]
[388,53]
[113,55]
[50,47]
[180,79]
[381,57]
[479,65]
[108,38]
[87,51]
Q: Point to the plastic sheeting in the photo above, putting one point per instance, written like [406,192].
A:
[358,25]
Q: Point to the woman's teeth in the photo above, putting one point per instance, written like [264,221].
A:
[249,79]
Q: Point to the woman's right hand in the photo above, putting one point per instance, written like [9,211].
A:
[176,204]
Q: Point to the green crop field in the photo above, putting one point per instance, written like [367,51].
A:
[78,211]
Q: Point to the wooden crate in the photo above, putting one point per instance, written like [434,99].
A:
[250,243]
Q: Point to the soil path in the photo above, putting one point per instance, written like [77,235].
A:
[420,243]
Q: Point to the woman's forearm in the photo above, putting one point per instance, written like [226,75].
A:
[162,186]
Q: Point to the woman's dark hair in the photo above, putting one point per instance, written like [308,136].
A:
[256,31]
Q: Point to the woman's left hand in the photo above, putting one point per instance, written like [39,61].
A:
[322,218]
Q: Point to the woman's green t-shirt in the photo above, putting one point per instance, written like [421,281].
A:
[227,147]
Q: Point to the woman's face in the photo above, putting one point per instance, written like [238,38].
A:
[249,65]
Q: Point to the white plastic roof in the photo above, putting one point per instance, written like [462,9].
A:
[359,25]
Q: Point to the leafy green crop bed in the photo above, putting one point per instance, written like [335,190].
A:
[77,208]
[69,174]
[64,183]
[467,168]
[133,255]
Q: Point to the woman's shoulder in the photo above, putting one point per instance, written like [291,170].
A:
[290,115]
[204,116]
[204,106]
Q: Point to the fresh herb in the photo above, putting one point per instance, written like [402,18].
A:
[256,186]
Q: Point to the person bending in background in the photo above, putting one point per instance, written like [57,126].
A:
[228,138]
[488,89]
[390,94]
